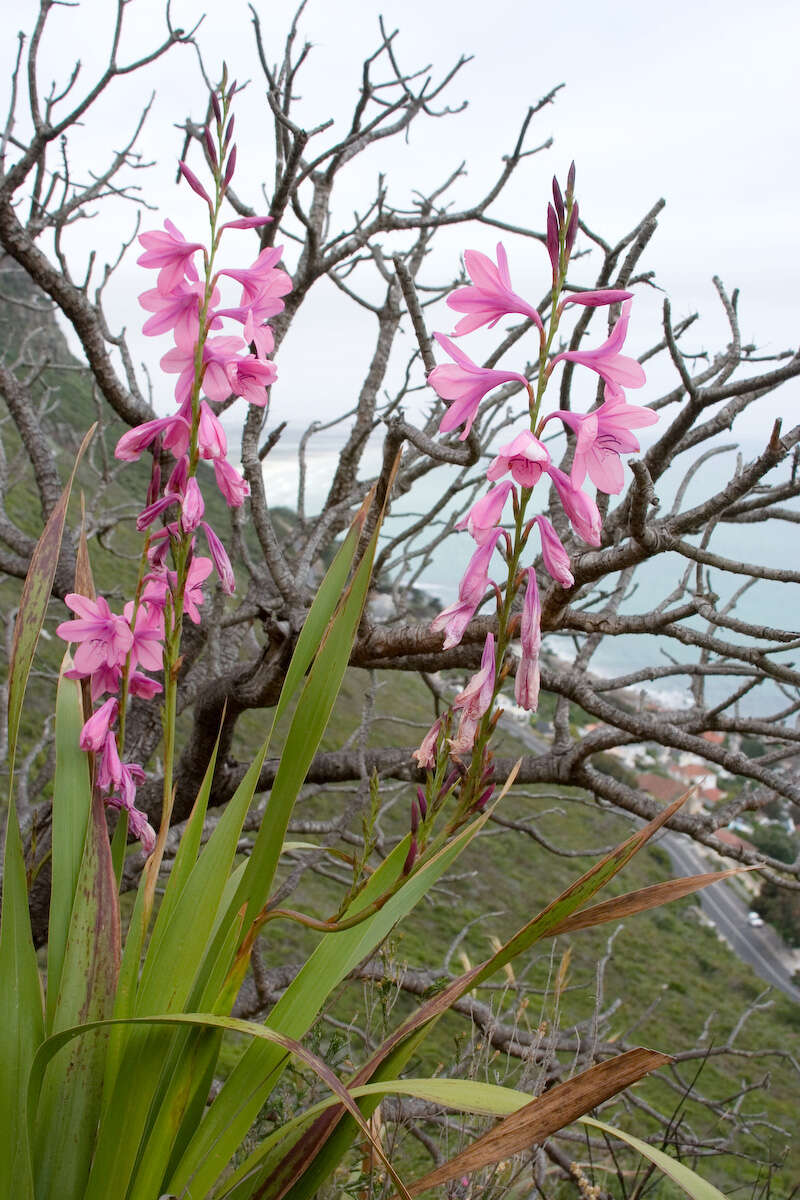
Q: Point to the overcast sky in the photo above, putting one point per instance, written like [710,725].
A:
[696,102]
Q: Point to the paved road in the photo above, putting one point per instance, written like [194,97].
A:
[761,947]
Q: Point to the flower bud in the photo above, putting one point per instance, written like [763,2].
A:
[558,200]
[410,857]
[210,147]
[571,180]
[193,182]
[231,166]
[414,817]
[552,238]
[216,108]
[572,229]
[422,803]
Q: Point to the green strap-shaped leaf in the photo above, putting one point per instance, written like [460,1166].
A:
[289,1046]
[70,1097]
[21,1016]
[72,802]
[21,1013]
[462,1095]
[695,1187]
[170,969]
[254,1076]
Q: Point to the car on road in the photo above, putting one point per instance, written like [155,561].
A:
[755,920]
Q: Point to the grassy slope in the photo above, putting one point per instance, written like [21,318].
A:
[664,964]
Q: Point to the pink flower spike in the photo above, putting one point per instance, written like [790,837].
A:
[490,295]
[194,183]
[233,486]
[103,638]
[171,253]
[602,435]
[595,299]
[246,223]
[220,559]
[93,734]
[464,385]
[525,457]
[617,370]
[581,509]
[554,556]
[211,440]
[486,512]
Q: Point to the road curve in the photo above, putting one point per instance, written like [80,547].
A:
[760,948]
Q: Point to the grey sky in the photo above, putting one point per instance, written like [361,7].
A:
[693,101]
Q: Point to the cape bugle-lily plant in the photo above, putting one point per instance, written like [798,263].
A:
[108,1061]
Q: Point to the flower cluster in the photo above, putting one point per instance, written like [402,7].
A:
[600,437]
[115,651]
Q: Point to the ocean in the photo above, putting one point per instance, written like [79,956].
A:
[767,603]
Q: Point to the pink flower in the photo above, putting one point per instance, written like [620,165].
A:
[465,385]
[103,638]
[233,486]
[132,445]
[262,277]
[602,435]
[94,732]
[148,635]
[250,377]
[192,507]
[153,511]
[220,559]
[138,824]
[455,619]
[109,767]
[171,253]
[199,570]
[178,309]
[211,440]
[580,508]
[217,353]
[426,754]
[555,557]
[526,685]
[486,512]
[525,457]
[617,370]
[143,685]
[490,296]
[475,700]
